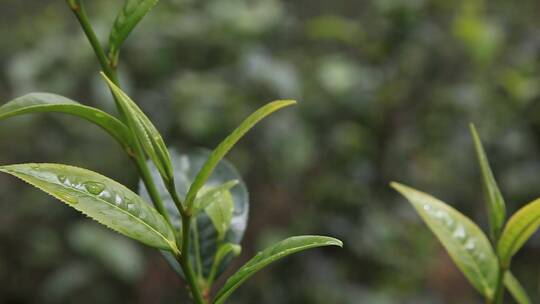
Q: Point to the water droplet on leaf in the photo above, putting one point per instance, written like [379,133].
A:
[94,187]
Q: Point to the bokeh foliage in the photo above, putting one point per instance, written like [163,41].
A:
[386,90]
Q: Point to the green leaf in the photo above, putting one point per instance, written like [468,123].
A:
[516,290]
[224,147]
[220,210]
[269,255]
[46,102]
[466,244]
[493,197]
[211,195]
[517,231]
[222,252]
[144,131]
[100,198]
[186,167]
[126,20]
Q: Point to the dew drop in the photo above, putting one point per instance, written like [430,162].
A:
[459,233]
[427,207]
[34,167]
[62,178]
[470,245]
[118,200]
[133,208]
[94,187]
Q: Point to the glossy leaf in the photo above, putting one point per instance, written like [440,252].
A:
[270,255]
[126,20]
[186,167]
[516,290]
[466,244]
[518,230]
[145,131]
[47,102]
[493,197]
[224,147]
[100,198]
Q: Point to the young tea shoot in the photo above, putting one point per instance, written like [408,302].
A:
[185,207]
[484,261]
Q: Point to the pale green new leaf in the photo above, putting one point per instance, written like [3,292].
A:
[126,20]
[269,255]
[493,197]
[145,132]
[466,244]
[100,198]
[220,207]
[516,290]
[222,252]
[226,145]
[47,102]
[205,198]
[518,230]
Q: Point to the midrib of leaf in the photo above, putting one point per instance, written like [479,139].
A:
[171,245]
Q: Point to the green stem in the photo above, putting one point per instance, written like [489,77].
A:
[184,260]
[196,247]
[109,68]
[79,11]
[499,288]
[137,155]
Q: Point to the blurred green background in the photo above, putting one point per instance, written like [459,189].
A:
[386,90]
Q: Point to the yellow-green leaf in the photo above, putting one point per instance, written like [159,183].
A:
[100,198]
[466,244]
[518,230]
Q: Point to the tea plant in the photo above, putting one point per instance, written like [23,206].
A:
[200,202]
[485,262]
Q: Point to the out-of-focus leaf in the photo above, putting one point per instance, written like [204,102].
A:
[186,167]
[47,102]
[145,131]
[516,290]
[223,148]
[518,230]
[270,255]
[126,20]
[100,198]
[493,197]
[463,240]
